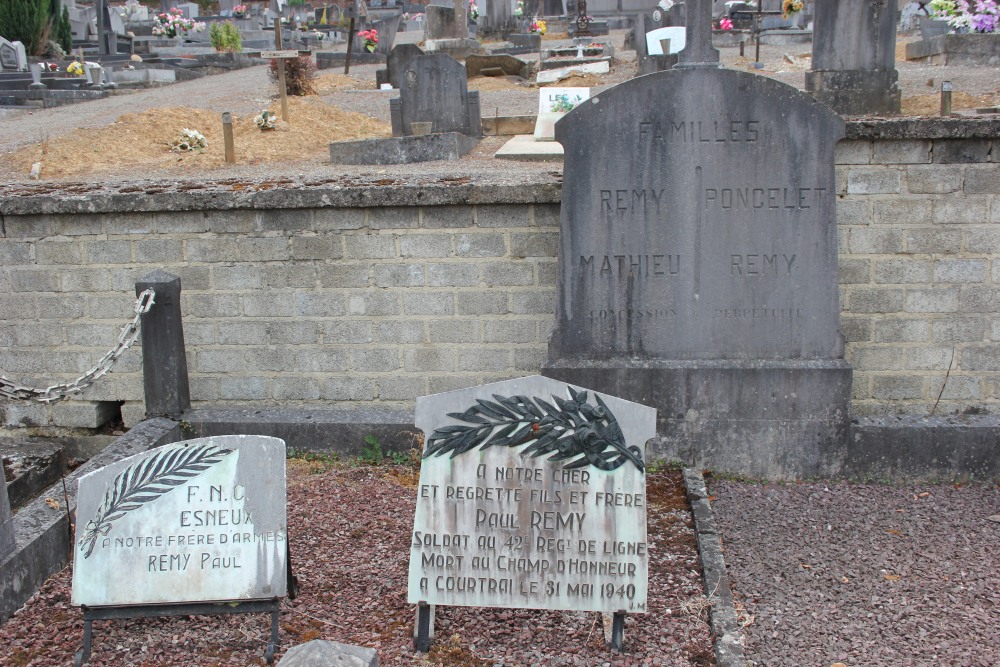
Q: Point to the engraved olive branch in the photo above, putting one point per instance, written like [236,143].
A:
[575,431]
[145,481]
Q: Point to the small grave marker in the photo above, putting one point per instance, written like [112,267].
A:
[532,494]
[434,89]
[553,104]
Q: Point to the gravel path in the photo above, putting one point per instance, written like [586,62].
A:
[863,574]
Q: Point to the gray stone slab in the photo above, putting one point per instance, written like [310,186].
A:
[196,521]
[403,150]
[446,22]
[8,55]
[434,89]
[511,66]
[323,653]
[398,60]
[524,486]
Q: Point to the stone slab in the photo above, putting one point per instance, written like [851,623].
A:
[524,147]
[324,653]
[553,75]
[195,521]
[403,150]
[951,49]
[527,489]
[511,66]
[509,125]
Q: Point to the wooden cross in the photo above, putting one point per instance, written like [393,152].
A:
[698,50]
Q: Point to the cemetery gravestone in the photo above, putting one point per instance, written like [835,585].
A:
[531,495]
[434,89]
[399,57]
[553,104]
[196,521]
[8,55]
[698,262]
[446,21]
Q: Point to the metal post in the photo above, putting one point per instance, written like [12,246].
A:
[281,72]
[756,28]
[946,90]
[350,45]
[618,631]
[422,636]
[164,363]
[227,136]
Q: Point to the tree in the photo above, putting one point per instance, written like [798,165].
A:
[28,22]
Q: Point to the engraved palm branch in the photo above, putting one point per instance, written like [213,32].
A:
[145,481]
[575,431]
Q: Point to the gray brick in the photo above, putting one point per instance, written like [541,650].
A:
[402,388]
[77,414]
[210,250]
[875,300]
[875,241]
[130,223]
[546,215]
[34,280]
[242,388]
[852,151]
[336,219]
[192,277]
[482,302]
[933,241]
[861,387]
[983,240]
[897,387]
[961,151]
[323,360]
[294,389]
[434,217]
[373,303]
[67,363]
[14,252]
[509,331]
[430,360]
[856,329]
[348,389]
[278,276]
[453,275]
[503,215]
[17,307]
[927,358]
[342,275]
[182,222]
[960,271]
[196,333]
[968,211]
[453,331]
[959,388]
[903,271]
[230,222]
[218,361]
[16,361]
[263,249]
[501,274]
[480,245]
[533,302]
[906,151]
[936,180]
[378,360]
[58,252]
[429,303]
[959,329]
[62,307]
[344,332]
[529,360]
[913,212]
[289,219]
[241,277]
[544,244]
[266,359]
[451,382]
[995,330]
[482,359]
[980,299]
[316,247]
[159,251]
[202,305]
[370,246]
[28,226]
[400,331]
[399,275]
[981,358]
[269,305]
[982,180]
[873,181]
[292,333]
[28,334]
[854,212]
[933,300]
[840,180]
[402,217]
[25,414]
[240,332]
[318,305]
[204,388]
[123,279]
[900,331]
[852,271]
[425,245]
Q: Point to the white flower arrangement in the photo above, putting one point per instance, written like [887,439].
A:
[265,120]
[189,140]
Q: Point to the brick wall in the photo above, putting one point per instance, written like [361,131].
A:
[329,298]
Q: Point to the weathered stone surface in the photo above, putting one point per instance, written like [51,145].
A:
[445,23]
[434,89]
[950,49]
[165,378]
[511,66]
[6,525]
[403,150]
[324,653]
[398,59]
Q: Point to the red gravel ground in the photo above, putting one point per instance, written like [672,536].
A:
[349,531]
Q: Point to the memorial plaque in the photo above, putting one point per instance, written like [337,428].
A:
[196,521]
[553,104]
[532,494]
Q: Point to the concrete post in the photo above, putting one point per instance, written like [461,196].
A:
[6,523]
[164,364]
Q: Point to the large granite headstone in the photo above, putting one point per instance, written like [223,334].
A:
[854,57]
[196,521]
[434,89]
[532,494]
[6,524]
[698,262]
[496,16]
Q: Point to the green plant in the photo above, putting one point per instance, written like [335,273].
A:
[300,73]
[225,37]
[372,453]
[28,22]
[63,35]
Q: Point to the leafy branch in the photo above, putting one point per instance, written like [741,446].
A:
[145,481]
[571,430]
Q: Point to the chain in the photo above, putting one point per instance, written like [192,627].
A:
[58,392]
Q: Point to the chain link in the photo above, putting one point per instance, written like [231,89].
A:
[58,392]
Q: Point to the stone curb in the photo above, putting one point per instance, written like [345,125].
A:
[725,625]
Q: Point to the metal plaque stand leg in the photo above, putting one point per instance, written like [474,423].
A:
[425,624]
[618,631]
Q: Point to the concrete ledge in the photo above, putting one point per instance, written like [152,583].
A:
[725,622]
[952,49]
[42,534]
[508,125]
[403,150]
